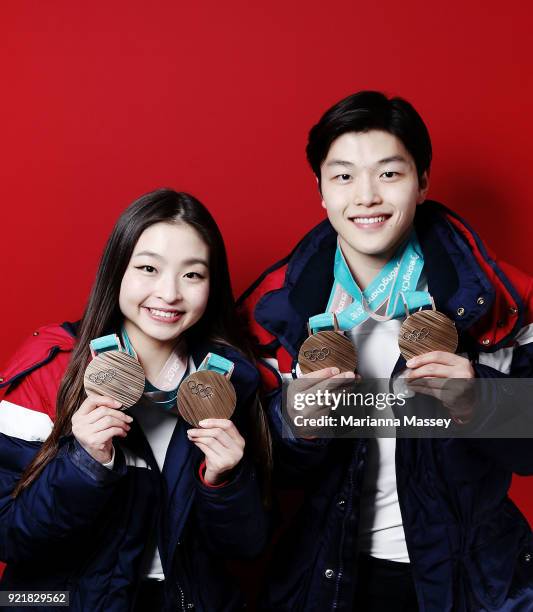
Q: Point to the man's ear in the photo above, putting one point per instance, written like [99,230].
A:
[322,203]
[423,187]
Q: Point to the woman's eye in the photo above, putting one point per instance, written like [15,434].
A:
[149,269]
[193,275]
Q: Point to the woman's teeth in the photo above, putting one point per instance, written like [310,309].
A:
[367,220]
[162,313]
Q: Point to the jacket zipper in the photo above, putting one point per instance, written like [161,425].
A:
[343,534]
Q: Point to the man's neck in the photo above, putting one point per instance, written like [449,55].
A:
[364,268]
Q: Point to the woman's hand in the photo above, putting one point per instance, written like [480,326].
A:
[96,422]
[222,445]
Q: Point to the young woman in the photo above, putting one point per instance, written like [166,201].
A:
[133,509]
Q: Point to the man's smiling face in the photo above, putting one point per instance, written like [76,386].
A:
[370,190]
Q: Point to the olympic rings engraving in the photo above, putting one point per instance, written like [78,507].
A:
[200,389]
[317,354]
[103,376]
[416,335]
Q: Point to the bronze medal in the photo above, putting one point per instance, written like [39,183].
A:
[426,331]
[117,375]
[327,349]
[206,394]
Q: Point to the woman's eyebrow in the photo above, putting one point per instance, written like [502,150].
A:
[191,262]
[148,254]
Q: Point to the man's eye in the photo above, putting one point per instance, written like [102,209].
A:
[390,174]
[149,269]
[343,177]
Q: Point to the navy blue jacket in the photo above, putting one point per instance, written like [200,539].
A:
[470,547]
[83,528]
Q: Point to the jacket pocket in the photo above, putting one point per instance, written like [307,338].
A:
[500,565]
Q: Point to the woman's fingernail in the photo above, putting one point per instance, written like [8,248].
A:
[335,371]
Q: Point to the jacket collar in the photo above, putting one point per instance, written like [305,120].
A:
[457,282]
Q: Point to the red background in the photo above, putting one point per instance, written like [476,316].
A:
[103,101]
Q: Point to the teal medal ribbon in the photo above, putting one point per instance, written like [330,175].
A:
[103,344]
[215,363]
[396,284]
[166,400]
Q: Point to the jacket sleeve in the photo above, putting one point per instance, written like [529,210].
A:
[69,493]
[232,519]
[513,454]
[295,459]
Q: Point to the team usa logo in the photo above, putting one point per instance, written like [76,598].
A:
[317,354]
[199,389]
[416,334]
[103,376]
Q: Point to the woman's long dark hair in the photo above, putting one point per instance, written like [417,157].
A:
[102,315]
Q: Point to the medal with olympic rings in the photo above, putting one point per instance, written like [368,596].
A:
[326,346]
[114,372]
[426,331]
[208,392]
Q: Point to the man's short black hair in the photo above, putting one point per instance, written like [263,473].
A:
[371,110]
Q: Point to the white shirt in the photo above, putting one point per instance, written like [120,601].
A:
[381,531]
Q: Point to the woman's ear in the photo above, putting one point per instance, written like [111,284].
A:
[423,187]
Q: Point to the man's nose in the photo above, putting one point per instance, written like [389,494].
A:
[367,192]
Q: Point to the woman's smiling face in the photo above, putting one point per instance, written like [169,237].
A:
[165,288]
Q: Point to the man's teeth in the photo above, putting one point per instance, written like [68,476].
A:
[367,220]
[162,313]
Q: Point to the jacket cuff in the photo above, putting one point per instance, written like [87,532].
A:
[94,469]
[239,477]
[201,474]
[109,465]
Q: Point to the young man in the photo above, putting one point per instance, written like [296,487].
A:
[407,524]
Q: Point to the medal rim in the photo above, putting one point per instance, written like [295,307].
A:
[202,374]
[301,356]
[101,358]
[425,313]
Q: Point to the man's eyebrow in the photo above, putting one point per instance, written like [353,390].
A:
[385,160]
[340,162]
[393,158]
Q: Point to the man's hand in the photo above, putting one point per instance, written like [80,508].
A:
[315,381]
[431,373]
